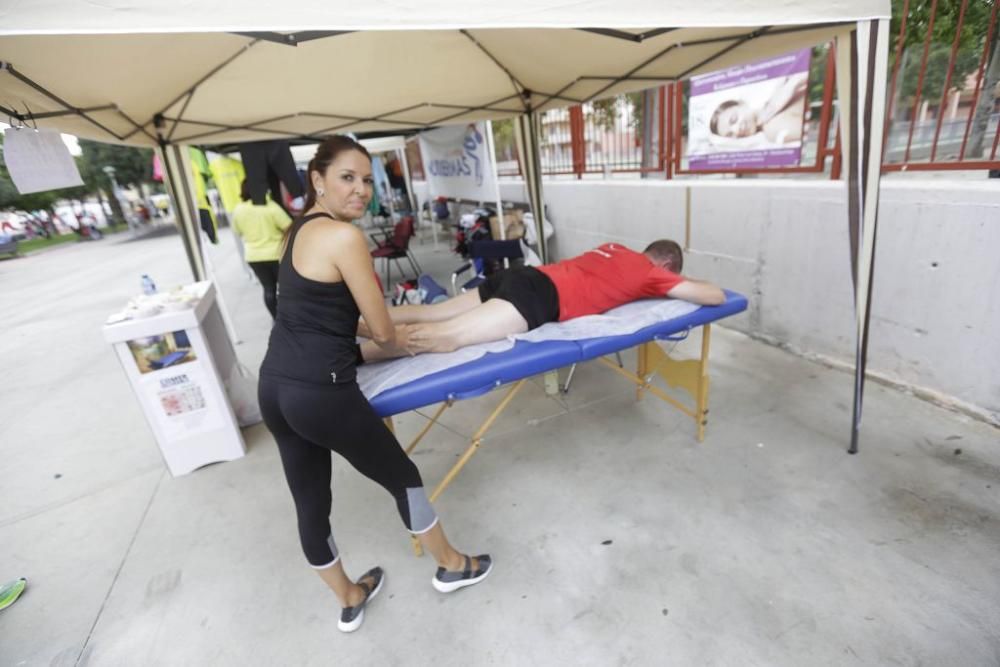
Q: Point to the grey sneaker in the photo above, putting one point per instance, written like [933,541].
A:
[447,582]
[352,617]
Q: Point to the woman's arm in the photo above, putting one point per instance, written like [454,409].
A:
[355,265]
[352,259]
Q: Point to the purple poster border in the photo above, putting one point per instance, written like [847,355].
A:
[742,75]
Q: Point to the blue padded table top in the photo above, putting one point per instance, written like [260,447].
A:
[526,359]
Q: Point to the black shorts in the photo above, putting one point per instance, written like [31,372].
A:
[527,289]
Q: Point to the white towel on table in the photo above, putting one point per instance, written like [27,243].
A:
[382,376]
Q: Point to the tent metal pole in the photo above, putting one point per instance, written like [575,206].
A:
[184,211]
[491,151]
[9,68]
[411,195]
[177,163]
[527,148]
[538,203]
[206,257]
[874,36]
[855,202]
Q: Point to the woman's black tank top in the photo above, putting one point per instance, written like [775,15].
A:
[314,334]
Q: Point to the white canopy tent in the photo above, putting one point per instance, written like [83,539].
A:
[170,74]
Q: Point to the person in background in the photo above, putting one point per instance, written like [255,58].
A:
[262,230]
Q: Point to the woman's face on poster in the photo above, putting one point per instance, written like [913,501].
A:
[735,120]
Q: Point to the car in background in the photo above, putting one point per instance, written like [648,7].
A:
[12,224]
[8,245]
[161,204]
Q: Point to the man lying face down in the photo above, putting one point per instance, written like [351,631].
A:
[519,299]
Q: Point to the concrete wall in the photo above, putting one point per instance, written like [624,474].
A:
[936,302]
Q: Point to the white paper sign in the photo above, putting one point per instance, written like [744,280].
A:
[38,160]
[179,398]
[457,163]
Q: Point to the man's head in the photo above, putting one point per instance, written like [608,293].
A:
[666,254]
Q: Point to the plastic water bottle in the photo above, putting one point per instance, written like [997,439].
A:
[148,286]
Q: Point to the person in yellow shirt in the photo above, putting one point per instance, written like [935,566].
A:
[262,229]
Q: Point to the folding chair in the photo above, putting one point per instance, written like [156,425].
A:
[396,247]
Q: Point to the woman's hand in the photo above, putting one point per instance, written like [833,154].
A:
[403,339]
[421,338]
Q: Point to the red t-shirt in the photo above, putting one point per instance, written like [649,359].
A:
[605,277]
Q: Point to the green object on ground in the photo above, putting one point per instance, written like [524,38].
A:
[11,591]
[42,242]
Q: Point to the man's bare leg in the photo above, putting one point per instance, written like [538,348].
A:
[372,351]
[494,320]
[432,312]
[435,312]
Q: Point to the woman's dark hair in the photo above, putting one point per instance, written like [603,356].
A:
[245,190]
[327,152]
[667,251]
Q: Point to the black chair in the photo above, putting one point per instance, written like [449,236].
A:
[485,257]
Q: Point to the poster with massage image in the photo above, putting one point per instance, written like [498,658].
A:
[749,116]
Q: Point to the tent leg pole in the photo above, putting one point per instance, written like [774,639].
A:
[868,57]
[173,165]
[223,310]
[543,249]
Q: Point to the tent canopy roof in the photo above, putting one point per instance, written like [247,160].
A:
[229,74]
[150,16]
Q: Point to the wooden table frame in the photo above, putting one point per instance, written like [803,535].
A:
[691,375]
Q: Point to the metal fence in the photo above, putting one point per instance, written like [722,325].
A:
[942,109]
[944,89]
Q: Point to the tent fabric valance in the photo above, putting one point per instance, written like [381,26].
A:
[229,88]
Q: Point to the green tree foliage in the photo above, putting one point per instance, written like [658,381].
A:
[605,111]
[817,73]
[970,45]
[503,139]
[133,166]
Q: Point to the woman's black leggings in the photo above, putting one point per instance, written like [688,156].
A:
[310,421]
[267,274]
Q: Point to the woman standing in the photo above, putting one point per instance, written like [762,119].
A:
[262,229]
[309,396]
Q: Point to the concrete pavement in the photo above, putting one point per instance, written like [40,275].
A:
[618,539]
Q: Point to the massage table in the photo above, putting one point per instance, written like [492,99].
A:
[524,360]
